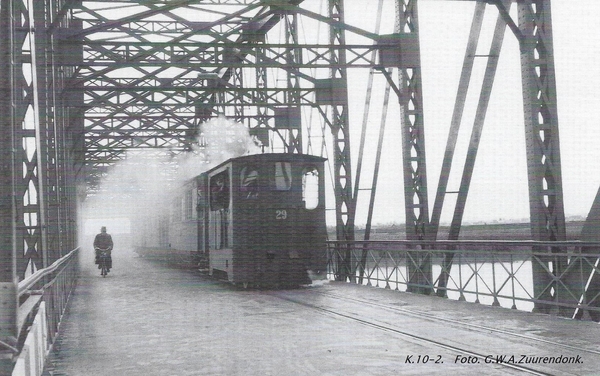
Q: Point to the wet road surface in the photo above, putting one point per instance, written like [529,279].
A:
[149,319]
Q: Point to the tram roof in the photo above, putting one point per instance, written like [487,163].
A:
[270,157]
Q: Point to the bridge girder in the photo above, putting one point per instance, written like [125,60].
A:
[89,81]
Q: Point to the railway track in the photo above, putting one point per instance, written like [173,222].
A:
[362,311]
[465,325]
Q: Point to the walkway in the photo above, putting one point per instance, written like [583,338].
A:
[148,319]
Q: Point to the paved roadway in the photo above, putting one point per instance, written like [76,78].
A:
[148,319]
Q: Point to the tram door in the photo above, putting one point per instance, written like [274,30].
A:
[202,214]
[219,221]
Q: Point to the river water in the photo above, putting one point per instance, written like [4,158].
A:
[479,281]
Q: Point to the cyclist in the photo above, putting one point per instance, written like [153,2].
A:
[103,241]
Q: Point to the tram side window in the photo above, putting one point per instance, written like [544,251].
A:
[200,200]
[310,188]
[219,191]
[283,176]
[188,205]
[193,203]
[249,182]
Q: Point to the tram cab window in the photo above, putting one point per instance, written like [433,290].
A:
[310,188]
[219,191]
[249,182]
[283,176]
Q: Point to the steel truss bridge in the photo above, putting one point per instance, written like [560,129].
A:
[84,83]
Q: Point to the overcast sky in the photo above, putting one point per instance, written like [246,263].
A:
[499,187]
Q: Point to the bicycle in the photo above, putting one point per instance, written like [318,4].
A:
[103,261]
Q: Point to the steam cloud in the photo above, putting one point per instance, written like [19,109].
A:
[140,187]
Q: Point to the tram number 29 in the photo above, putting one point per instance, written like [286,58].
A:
[281,214]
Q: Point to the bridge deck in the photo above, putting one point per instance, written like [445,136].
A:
[148,319]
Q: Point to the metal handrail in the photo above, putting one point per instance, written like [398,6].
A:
[26,284]
[569,266]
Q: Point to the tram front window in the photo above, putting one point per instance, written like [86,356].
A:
[283,176]
[310,188]
[249,183]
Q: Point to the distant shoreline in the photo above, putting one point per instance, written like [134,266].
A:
[480,231]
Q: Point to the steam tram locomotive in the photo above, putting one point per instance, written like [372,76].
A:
[257,220]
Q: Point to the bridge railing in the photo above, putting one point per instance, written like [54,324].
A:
[43,298]
[552,277]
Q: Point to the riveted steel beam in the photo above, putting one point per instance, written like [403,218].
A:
[8,206]
[542,139]
[413,148]
[337,87]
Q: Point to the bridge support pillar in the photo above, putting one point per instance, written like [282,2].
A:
[337,94]
[8,212]
[413,147]
[542,142]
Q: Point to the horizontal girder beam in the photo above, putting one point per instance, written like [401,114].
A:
[195,56]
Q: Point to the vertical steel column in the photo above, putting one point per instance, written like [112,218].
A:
[261,118]
[58,202]
[45,136]
[542,141]
[8,267]
[29,167]
[61,175]
[413,152]
[68,119]
[293,57]
[19,107]
[345,206]
[237,79]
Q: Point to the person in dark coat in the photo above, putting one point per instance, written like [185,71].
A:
[103,241]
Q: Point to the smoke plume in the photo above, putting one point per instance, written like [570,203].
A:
[139,189]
